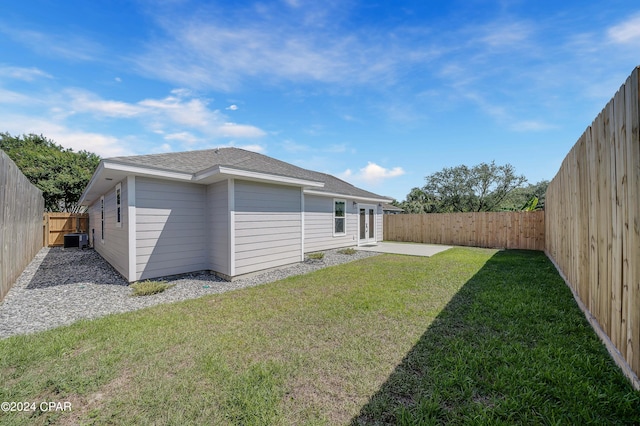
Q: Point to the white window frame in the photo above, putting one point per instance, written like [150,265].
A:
[102,219]
[344,218]
[119,205]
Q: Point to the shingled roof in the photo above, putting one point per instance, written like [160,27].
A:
[198,161]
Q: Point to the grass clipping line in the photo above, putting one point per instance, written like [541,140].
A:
[147,288]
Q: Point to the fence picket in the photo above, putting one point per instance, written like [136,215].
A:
[516,230]
[59,224]
[593,224]
[21,207]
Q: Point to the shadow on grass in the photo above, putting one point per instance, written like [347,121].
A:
[510,347]
[72,266]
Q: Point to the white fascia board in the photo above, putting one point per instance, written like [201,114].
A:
[250,175]
[148,171]
[347,196]
[215,170]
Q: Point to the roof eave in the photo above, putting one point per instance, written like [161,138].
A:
[210,175]
[112,172]
[255,176]
[351,197]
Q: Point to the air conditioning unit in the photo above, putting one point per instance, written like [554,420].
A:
[76,240]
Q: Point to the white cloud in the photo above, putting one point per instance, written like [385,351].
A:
[531,126]
[69,46]
[10,97]
[81,119]
[626,32]
[249,147]
[253,147]
[221,49]
[87,102]
[25,74]
[336,148]
[373,173]
[165,147]
[178,115]
[240,130]
[101,144]
[185,137]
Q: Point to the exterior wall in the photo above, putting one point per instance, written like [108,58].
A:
[171,231]
[318,224]
[232,227]
[115,247]
[379,224]
[218,220]
[267,226]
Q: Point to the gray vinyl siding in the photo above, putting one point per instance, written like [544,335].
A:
[318,224]
[115,248]
[218,218]
[268,226]
[171,231]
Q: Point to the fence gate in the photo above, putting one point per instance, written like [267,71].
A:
[57,224]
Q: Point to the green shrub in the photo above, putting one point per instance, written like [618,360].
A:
[348,251]
[316,256]
[147,288]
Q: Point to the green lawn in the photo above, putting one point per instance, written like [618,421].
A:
[467,336]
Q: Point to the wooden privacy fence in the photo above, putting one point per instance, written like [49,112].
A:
[512,230]
[21,207]
[593,224]
[57,224]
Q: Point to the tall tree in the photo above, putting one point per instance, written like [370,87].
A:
[60,173]
[466,189]
[523,198]
[418,202]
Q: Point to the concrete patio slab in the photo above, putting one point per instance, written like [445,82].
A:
[411,249]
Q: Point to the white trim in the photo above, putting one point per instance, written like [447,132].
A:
[367,207]
[147,171]
[333,214]
[232,227]
[259,176]
[301,225]
[131,223]
[351,197]
[119,205]
[102,219]
[222,170]
[110,169]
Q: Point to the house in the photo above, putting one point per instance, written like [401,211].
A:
[226,210]
[391,209]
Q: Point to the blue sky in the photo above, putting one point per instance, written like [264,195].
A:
[379,93]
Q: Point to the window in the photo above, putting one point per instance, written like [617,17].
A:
[118,205]
[102,218]
[339,217]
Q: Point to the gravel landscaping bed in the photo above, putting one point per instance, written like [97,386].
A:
[62,286]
